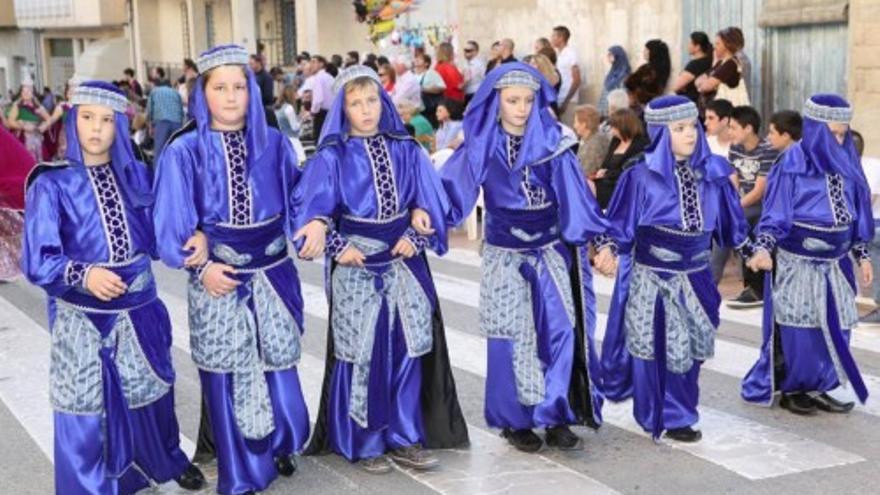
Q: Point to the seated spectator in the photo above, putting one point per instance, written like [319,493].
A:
[628,142]
[752,158]
[423,132]
[717,125]
[592,144]
[448,135]
[784,129]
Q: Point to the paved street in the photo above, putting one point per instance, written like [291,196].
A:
[745,449]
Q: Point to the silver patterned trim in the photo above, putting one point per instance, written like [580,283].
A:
[661,116]
[378,221]
[824,113]
[90,95]
[518,78]
[231,55]
[354,72]
[249,226]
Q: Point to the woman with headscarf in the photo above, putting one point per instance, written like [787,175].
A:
[537,306]
[88,243]
[817,211]
[230,177]
[664,214]
[617,74]
[388,386]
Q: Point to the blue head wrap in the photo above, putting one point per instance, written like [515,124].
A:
[659,157]
[821,149]
[482,127]
[336,126]
[133,175]
[619,70]
[255,120]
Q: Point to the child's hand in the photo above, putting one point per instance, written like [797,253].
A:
[761,260]
[606,262]
[198,244]
[403,248]
[421,221]
[104,284]
[315,234]
[352,256]
[216,280]
[867,272]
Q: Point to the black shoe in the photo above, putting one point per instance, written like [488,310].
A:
[285,465]
[686,434]
[798,403]
[829,404]
[523,440]
[563,438]
[746,299]
[191,479]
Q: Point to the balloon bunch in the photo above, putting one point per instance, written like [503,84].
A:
[381,15]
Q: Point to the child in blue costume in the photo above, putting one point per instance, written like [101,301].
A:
[664,214]
[537,306]
[230,178]
[88,243]
[388,386]
[817,211]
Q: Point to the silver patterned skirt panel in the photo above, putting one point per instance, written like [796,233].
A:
[357,297]
[690,334]
[506,309]
[246,336]
[75,374]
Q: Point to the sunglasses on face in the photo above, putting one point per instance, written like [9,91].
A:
[469,50]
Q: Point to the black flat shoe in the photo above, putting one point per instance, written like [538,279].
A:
[285,465]
[798,403]
[192,479]
[523,440]
[829,404]
[686,434]
[562,438]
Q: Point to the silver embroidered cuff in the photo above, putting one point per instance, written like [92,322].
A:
[75,273]
[90,95]
[418,241]
[824,113]
[746,249]
[226,55]
[336,243]
[766,242]
[860,252]
[602,241]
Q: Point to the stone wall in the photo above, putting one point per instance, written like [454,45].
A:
[864,70]
[595,25]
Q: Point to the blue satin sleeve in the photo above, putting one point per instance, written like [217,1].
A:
[731,228]
[431,197]
[864,231]
[622,211]
[290,176]
[778,213]
[580,217]
[175,216]
[461,181]
[316,195]
[43,260]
